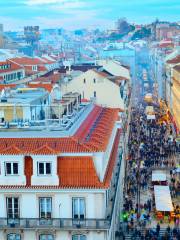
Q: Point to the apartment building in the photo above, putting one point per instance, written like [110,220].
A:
[10,72]
[57,187]
[108,86]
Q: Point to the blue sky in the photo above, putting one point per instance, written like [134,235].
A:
[71,14]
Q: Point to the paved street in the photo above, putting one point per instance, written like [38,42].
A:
[151,146]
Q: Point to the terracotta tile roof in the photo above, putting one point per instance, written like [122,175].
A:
[77,172]
[2,86]
[166,45]
[96,130]
[45,150]
[174,60]
[27,61]
[13,67]
[11,150]
[47,86]
[74,172]
[30,145]
[92,136]
[112,160]
[42,69]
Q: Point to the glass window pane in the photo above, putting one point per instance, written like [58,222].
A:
[13,236]
[82,207]
[41,168]
[48,168]
[46,237]
[15,168]
[8,168]
[75,208]
[82,237]
[75,237]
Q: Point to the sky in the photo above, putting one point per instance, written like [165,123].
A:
[75,14]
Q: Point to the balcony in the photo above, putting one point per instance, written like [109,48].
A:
[55,223]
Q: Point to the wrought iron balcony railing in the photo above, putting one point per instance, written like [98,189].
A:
[56,223]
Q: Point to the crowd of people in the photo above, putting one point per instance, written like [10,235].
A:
[151,145]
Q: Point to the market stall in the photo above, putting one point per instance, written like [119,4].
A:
[159,177]
[163,203]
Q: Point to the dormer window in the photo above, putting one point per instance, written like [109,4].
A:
[34,68]
[11,168]
[44,168]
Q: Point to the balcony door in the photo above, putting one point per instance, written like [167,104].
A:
[79,237]
[45,208]
[12,204]
[78,208]
[46,237]
[13,236]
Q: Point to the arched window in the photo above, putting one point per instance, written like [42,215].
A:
[79,237]
[13,236]
[46,237]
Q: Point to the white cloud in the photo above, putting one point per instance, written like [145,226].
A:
[45,2]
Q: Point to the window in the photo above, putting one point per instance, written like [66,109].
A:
[94,93]
[45,207]
[78,208]
[78,237]
[84,80]
[12,207]
[11,168]
[94,80]
[13,236]
[44,168]
[46,237]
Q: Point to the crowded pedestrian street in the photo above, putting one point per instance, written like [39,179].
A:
[151,207]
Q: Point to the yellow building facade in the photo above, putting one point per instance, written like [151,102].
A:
[176,95]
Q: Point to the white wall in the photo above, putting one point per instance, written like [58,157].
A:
[52,179]
[107,92]
[59,235]
[19,179]
[61,202]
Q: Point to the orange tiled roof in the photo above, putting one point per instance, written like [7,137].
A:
[47,86]
[2,86]
[75,172]
[30,145]
[11,150]
[97,128]
[45,150]
[13,67]
[92,136]
[27,61]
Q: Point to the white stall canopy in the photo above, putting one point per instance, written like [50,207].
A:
[151,117]
[158,176]
[163,199]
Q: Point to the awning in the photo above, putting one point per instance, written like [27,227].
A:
[158,176]
[151,117]
[163,199]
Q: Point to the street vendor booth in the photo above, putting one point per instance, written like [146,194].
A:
[151,117]
[159,177]
[148,98]
[149,110]
[163,203]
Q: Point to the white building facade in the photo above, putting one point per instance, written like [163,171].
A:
[63,188]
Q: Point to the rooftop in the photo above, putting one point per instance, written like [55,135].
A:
[92,135]
[22,95]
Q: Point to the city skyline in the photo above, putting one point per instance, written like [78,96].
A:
[73,14]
